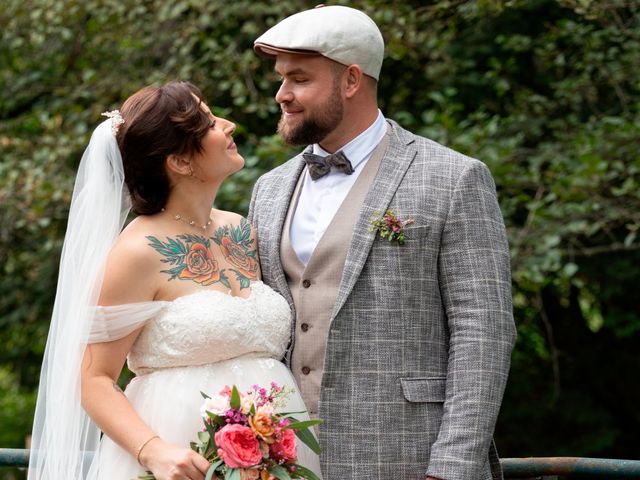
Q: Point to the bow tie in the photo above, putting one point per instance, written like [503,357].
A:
[319,166]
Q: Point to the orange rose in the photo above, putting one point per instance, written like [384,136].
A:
[249,474]
[265,475]
[238,257]
[262,425]
[201,267]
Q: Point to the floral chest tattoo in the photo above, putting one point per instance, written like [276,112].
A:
[191,257]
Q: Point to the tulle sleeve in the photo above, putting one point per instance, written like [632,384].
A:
[114,322]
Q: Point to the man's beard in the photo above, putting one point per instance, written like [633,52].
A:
[317,126]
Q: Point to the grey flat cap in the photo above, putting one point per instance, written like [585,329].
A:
[342,34]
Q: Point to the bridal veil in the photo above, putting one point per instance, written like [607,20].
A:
[62,431]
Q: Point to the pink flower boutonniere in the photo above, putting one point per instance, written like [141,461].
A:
[390,226]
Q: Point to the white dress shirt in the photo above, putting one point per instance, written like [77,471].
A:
[320,199]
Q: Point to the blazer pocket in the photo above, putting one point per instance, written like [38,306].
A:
[416,233]
[431,389]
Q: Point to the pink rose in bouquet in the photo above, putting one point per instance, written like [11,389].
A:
[285,449]
[237,446]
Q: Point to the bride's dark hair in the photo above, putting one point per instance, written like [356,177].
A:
[158,122]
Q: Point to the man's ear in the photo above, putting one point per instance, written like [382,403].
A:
[179,165]
[353,79]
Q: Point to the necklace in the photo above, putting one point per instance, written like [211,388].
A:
[179,218]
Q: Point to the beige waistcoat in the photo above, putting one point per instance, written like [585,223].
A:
[314,288]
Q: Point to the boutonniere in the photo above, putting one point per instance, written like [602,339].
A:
[390,226]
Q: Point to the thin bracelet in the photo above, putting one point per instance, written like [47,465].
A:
[144,445]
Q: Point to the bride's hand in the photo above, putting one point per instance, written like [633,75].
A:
[168,462]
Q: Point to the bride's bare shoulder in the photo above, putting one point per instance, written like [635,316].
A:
[224,217]
[131,266]
[133,242]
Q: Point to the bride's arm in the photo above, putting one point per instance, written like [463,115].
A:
[103,400]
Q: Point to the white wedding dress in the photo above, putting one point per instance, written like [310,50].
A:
[200,342]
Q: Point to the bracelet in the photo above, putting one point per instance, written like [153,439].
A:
[144,445]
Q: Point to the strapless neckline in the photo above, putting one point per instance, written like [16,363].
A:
[259,284]
[216,292]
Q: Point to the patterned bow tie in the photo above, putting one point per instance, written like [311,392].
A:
[319,166]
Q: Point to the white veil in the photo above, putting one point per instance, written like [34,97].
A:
[62,431]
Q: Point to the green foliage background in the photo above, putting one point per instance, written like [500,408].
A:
[546,92]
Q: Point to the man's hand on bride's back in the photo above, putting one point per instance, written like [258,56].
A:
[169,462]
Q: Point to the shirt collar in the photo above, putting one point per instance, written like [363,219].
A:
[360,148]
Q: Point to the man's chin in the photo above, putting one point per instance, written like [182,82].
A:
[289,135]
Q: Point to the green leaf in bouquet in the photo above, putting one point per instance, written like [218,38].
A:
[218,419]
[211,431]
[232,473]
[279,472]
[204,395]
[146,476]
[302,472]
[204,437]
[235,398]
[290,414]
[308,439]
[296,425]
[212,470]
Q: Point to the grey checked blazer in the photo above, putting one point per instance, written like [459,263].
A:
[421,334]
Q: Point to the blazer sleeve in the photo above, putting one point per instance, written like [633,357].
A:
[475,283]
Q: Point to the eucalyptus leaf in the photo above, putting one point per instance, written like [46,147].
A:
[309,440]
[235,398]
[303,424]
[279,472]
[232,474]
[305,473]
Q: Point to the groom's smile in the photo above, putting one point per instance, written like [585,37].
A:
[309,97]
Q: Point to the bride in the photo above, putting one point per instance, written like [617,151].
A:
[177,293]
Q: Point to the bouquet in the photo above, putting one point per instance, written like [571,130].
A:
[245,439]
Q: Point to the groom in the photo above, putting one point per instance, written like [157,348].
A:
[400,344]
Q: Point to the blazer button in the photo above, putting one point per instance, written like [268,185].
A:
[304,327]
[306,370]
[306,283]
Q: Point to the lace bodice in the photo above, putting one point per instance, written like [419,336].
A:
[210,326]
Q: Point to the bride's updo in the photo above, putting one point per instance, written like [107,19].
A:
[158,122]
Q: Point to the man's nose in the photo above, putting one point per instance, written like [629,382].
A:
[283,95]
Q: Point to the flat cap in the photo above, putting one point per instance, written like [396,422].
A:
[343,34]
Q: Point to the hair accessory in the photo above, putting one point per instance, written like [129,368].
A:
[116,120]
[342,34]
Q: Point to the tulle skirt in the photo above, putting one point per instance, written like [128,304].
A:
[169,401]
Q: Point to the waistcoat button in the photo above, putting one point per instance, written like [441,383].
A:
[306,283]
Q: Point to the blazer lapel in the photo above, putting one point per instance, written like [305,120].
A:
[393,167]
[282,191]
